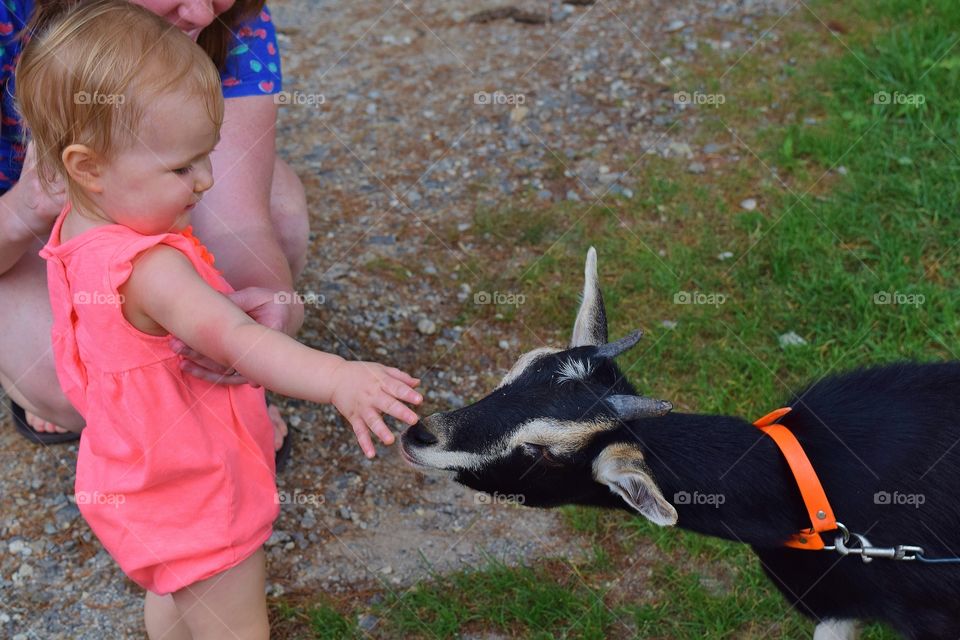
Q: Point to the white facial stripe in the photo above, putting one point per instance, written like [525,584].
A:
[450,460]
[573,369]
[560,436]
[525,361]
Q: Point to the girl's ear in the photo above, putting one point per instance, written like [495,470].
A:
[83,166]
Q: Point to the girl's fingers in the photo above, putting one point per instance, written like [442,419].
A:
[363,436]
[379,427]
[401,391]
[395,408]
[403,377]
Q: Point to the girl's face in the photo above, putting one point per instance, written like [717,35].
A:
[190,16]
[152,186]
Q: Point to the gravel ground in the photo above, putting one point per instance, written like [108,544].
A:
[403,118]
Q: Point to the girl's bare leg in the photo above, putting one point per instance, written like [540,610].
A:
[163,619]
[230,605]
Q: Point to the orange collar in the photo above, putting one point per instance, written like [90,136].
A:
[814,498]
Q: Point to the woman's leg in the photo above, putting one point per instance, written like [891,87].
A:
[27,371]
[288,211]
[231,604]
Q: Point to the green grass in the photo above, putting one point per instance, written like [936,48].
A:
[812,259]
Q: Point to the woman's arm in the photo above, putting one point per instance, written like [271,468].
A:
[234,217]
[165,289]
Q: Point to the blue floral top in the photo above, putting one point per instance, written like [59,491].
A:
[252,68]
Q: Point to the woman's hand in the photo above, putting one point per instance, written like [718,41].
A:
[38,209]
[273,309]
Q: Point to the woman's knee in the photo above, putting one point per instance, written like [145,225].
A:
[288,210]
[27,371]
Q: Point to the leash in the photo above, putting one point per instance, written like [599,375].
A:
[818,507]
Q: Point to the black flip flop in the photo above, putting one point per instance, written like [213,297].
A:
[31,434]
[282,456]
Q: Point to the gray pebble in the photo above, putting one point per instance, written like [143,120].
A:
[367,622]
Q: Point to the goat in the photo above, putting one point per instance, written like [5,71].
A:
[565,427]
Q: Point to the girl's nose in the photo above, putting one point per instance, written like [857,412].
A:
[204,178]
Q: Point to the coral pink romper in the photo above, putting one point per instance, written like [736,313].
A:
[175,475]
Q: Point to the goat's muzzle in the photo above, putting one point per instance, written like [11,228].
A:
[419,435]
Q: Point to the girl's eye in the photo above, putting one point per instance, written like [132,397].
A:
[183,170]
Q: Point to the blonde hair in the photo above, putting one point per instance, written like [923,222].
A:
[91,75]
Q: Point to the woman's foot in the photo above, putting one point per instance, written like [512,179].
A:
[45,433]
[40,425]
[279,426]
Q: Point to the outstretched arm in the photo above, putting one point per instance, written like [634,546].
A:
[165,291]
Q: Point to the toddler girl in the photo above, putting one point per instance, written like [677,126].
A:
[175,475]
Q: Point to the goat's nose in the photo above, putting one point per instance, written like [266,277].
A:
[419,434]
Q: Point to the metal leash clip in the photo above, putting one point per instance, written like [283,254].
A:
[868,552]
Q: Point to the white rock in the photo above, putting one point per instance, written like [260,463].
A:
[791,339]
[749,204]
[726,255]
[426,326]
[518,114]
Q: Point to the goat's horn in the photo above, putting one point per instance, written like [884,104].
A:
[633,407]
[613,349]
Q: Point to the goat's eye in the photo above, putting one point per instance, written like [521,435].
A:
[541,452]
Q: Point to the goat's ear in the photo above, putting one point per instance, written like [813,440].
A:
[621,468]
[590,329]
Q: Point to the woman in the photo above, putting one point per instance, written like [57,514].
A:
[254,220]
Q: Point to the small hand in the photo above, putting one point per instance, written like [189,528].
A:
[365,390]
